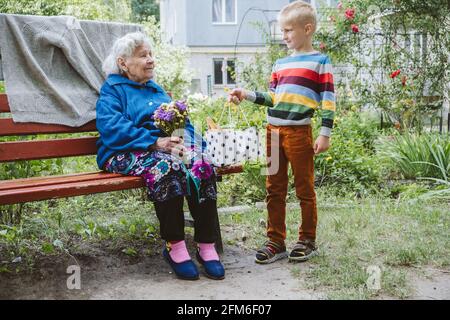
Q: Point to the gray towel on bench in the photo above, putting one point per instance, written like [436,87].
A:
[52,66]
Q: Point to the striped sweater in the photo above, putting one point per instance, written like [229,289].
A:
[299,85]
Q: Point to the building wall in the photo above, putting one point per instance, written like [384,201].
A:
[173,15]
[194,28]
[190,22]
[204,32]
[201,62]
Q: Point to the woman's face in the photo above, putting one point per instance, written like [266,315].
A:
[139,67]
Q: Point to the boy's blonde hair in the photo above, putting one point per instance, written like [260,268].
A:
[298,12]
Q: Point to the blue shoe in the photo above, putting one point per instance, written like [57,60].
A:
[213,269]
[186,270]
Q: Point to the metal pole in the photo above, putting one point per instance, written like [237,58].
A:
[448,123]
[209,84]
[381,121]
[1,69]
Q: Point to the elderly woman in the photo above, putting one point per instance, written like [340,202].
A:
[130,143]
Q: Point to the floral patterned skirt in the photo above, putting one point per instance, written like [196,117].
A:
[165,175]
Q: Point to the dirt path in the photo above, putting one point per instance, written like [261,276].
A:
[432,284]
[114,276]
[106,277]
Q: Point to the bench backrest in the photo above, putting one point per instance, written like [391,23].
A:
[42,149]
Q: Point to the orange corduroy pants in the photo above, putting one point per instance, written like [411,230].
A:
[294,145]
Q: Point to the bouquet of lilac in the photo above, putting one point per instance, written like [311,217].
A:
[171,116]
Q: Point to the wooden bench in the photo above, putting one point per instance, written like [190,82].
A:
[52,187]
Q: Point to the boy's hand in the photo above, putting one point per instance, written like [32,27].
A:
[322,144]
[237,95]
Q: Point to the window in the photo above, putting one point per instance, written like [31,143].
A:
[333,3]
[224,71]
[231,72]
[321,3]
[275,31]
[224,11]
[218,74]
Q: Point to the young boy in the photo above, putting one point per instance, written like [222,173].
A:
[299,84]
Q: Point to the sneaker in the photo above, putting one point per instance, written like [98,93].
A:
[270,252]
[303,250]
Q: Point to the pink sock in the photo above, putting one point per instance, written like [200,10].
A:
[178,251]
[208,252]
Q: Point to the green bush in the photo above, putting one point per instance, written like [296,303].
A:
[117,10]
[417,156]
[350,164]
[218,110]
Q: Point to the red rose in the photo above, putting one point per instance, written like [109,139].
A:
[395,73]
[355,28]
[350,14]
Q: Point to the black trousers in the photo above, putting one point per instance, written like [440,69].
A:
[171,219]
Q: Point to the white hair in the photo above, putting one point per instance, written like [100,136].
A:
[123,47]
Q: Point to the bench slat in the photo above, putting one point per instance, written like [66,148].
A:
[10,128]
[49,180]
[79,177]
[4,105]
[230,170]
[46,149]
[21,195]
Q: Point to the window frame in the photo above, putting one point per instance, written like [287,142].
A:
[225,80]
[234,60]
[214,72]
[224,14]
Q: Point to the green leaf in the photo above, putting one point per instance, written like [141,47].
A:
[58,243]
[47,248]
[130,252]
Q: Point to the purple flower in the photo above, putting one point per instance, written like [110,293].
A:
[169,115]
[163,115]
[201,169]
[181,106]
[159,114]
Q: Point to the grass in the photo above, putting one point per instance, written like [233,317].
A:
[395,237]
[120,220]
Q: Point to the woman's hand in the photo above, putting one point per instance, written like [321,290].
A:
[172,145]
[237,95]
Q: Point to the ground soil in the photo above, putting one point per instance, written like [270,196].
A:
[106,274]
